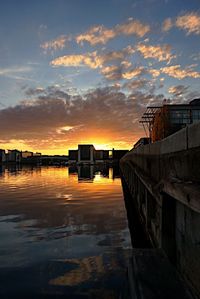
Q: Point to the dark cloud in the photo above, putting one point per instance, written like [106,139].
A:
[178,90]
[137,84]
[55,117]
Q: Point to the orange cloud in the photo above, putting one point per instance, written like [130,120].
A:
[189,22]
[96,35]
[89,59]
[176,72]
[167,25]
[154,72]
[133,73]
[178,90]
[55,44]
[132,27]
[101,35]
[161,53]
[95,60]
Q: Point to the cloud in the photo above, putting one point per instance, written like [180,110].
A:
[14,70]
[17,72]
[132,27]
[178,90]
[167,25]
[55,44]
[89,59]
[138,71]
[112,72]
[47,122]
[101,61]
[195,56]
[52,91]
[161,53]
[101,35]
[118,56]
[137,84]
[181,94]
[189,22]
[175,71]
[96,35]
[93,59]
[34,91]
[154,72]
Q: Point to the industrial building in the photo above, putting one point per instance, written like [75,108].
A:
[163,121]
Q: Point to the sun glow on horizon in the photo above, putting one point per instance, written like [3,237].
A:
[65,147]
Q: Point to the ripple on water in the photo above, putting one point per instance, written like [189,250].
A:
[61,233]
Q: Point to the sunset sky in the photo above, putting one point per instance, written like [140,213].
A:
[83,71]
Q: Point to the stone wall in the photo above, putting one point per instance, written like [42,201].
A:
[164,181]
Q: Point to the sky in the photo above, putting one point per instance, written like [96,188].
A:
[74,72]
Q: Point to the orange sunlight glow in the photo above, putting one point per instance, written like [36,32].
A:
[54,147]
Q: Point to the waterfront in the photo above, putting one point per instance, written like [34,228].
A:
[63,232]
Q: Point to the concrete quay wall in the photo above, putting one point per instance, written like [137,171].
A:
[163,179]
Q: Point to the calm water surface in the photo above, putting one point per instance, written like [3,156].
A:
[63,233]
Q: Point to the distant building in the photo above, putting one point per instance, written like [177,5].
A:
[27,154]
[73,156]
[86,153]
[167,119]
[14,156]
[142,141]
[101,155]
[2,156]
[37,154]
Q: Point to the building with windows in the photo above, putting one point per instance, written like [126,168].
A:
[14,156]
[87,154]
[168,119]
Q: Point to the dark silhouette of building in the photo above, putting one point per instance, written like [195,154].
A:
[118,154]
[2,156]
[87,154]
[73,156]
[101,155]
[14,156]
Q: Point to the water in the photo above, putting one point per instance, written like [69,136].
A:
[63,233]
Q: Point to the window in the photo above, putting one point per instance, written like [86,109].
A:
[195,115]
[180,116]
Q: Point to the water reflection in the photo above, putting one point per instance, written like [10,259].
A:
[67,224]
